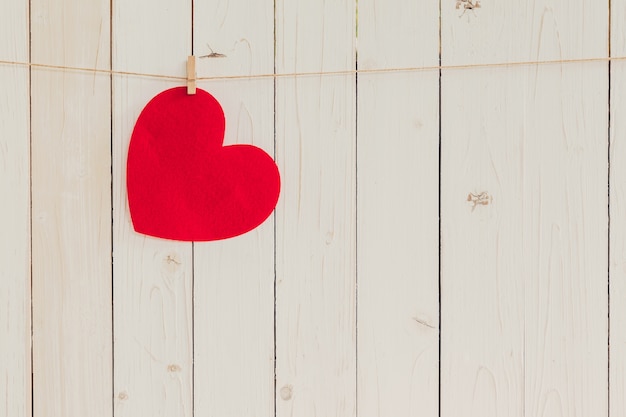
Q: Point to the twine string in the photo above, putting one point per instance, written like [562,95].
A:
[312,73]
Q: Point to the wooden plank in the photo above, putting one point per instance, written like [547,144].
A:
[71,206]
[15,366]
[234,279]
[398,229]
[617,272]
[315,221]
[524,213]
[152,277]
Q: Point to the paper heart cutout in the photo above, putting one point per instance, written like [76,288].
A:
[183,184]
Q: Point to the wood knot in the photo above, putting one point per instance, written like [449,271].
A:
[286,392]
[466,5]
[173,368]
[171,263]
[483,199]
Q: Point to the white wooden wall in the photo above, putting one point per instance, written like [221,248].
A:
[448,242]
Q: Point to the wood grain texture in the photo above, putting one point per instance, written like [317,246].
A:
[152,277]
[617,272]
[398,248]
[315,218]
[71,206]
[234,279]
[503,32]
[271,323]
[524,289]
[15,364]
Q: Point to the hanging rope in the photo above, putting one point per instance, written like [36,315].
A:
[310,74]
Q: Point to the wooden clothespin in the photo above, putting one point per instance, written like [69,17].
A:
[191,75]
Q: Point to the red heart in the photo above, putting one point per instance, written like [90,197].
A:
[183,184]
